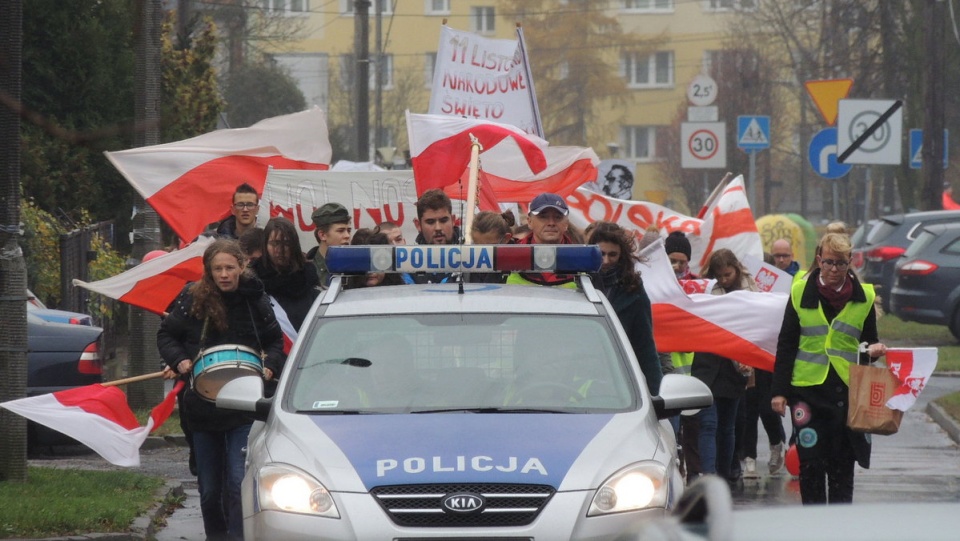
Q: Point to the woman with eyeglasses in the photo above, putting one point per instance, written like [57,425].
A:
[283,269]
[829,324]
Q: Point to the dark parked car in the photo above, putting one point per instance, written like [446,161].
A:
[888,240]
[60,356]
[39,309]
[927,287]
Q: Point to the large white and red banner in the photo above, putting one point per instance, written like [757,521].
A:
[98,417]
[484,78]
[727,222]
[741,325]
[190,183]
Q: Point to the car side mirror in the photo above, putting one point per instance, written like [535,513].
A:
[245,394]
[679,393]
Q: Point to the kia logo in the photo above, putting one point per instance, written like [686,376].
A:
[462,503]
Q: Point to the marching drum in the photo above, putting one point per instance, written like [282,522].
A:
[218,365]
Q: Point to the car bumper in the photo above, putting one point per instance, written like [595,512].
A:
[917,307]
[362,518]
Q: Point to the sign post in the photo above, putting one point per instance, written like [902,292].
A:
[753,135]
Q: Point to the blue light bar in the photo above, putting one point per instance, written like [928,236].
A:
[464,258]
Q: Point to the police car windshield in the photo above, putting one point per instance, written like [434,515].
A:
[472,362]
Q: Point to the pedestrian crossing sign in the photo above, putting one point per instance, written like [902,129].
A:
[753,132]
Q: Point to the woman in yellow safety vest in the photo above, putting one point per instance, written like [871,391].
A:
[829,324]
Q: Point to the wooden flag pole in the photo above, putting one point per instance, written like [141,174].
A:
[133,379]
[473,186]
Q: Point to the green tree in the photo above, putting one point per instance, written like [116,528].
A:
[258,91]
[191,101]
[78,60]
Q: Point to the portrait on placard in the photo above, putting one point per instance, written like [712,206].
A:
[614,179]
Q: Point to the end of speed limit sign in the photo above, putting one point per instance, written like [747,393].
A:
[703,145]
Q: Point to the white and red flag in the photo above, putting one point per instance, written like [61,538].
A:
[190,183]
[913,367]
[154,284]
[741,325]
[727,220]
[98,417]
[440,148]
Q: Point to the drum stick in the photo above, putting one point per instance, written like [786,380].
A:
[133,379]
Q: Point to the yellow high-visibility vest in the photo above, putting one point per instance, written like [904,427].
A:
[682,362]
[822,344]
[516,278]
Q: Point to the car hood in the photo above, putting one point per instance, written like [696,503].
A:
[565,451]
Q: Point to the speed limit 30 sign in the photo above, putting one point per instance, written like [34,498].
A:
[703,145]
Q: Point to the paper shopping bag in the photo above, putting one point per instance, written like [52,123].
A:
[870,388]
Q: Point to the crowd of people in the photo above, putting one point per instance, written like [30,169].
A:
[259,282]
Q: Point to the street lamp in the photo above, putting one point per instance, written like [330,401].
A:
[614,149]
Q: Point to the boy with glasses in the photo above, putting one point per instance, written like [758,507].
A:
[243,213]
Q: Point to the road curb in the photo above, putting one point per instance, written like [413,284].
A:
[946,422]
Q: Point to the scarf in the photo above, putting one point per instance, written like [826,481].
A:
[836,299]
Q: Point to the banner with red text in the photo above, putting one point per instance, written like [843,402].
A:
[727,223]
[486,78]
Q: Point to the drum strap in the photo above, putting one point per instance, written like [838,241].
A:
[256,331]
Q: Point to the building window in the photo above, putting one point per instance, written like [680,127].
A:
[346,7]
[647,5]
[483,19]
[429,66]
[287,7]
[347,71]
[437,7]
[724,5]
[648,71]
[386,73]
[639,142]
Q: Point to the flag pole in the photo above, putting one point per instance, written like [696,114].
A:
[133,379]
[473,185]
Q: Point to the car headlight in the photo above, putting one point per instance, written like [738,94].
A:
[288,489]
[639,486]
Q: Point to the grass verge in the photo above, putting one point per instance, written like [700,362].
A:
[59,502]
[950,404]
[898,333]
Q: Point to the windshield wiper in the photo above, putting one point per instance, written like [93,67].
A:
[490,410]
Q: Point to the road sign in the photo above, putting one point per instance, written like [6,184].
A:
[703,145]
[706,113]
[826,95]
[702,90]
[753,132]
[823,155]
[884,145]
[916,149]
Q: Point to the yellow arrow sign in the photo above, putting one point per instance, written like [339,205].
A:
[826,94]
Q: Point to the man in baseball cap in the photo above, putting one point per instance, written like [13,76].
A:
[549,224]
[333,229]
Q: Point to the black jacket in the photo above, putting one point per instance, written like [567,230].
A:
[294,291]
[251,323]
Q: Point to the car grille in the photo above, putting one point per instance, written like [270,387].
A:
[504,504]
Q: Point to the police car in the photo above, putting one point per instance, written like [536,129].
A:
[460,410]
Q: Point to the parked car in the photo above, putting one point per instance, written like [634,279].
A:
[888,240]
[858,240]
[460,411]
[60,356]
[40,310]
[927,287]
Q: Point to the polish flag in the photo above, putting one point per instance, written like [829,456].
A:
[154,284]
[913,367]
[98,417]
[728,222]
[741,325]
[289,333]
[440,148]
[190,183]
[511,181]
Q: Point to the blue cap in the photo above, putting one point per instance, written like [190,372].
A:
[548,200]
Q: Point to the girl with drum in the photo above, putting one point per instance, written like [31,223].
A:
[219,328]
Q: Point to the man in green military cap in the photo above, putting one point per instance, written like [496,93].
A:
[332,222]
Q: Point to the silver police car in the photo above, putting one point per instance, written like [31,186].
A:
[460,410]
